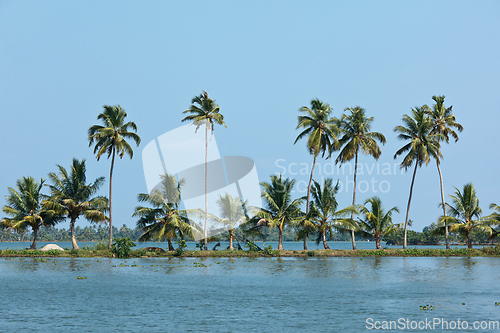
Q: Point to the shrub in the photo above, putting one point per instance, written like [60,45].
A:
[251,246]
[181,245]
[268,250]
[102,245]
[122,247]
[311,253]
[53,252]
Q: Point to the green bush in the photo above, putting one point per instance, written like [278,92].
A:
[311,253]
[101,246]
[181,245]
[53,252]
[268,250]
[122,247]
[251,246]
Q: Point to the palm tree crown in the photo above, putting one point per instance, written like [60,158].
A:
[232,214]
[355,127]
[444,122]
[422,146]
[377,223]
[204,110]
[111,138]
[279,209]
[464,213]
[321,131]
[164,220]
[73,197]
[323,213]
[25,206]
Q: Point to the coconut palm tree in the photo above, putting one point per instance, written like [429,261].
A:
[444,123]
[232,214]
[164,220]
[422,146]
[112,140]
[73,197]
[204,111]
[464,214]
[321,132]
[377,223]
[279,209]
[25,208]
[356,137]
[323,213]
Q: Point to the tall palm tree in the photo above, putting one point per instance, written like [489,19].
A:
[164,220]
[279,209]
[204,111]
[422,146]
[323,213]
[112,139]
[25,206]
[377,223]
[321,132]
[232,214]
[73,197]
[464,214]
[444,123]
[356,136]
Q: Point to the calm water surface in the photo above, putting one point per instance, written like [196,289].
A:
[242,294]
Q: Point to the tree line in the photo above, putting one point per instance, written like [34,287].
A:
[423,131]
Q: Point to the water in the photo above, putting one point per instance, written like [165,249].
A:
[243,294]
[290,246]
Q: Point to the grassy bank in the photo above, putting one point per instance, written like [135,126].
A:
[89,253]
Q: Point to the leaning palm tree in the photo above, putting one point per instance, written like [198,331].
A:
[25,208]
[422,146]
[73,197]
[321,132]
[323,213]
[279,209]
[164,220]
[464,214]
[356,137]
[232,214]
[112,139]
[204,111]
[376,222]
[444,123]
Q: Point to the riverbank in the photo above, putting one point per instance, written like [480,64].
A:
[144,253]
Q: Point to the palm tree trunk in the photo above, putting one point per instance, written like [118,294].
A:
[231,239]
[444,207]
[377,242]
[170,246]
[309,195]
[206,187]
[73,239]
[323,236]
[35,235]
[353,237]
[280,242]
[111,199]
[408,208]
[469,240]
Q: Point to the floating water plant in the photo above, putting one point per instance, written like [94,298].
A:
[81,278]
[426,307]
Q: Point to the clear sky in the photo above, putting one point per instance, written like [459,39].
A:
[61,61]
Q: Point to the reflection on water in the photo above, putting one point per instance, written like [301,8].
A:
[242,294]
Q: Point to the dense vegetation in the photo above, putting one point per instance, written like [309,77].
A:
[33,213]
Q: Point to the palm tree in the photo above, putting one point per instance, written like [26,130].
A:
[377,223]
[422,146]
[279,209]
[164,220]
[112,139]
[203,110]
[73,197]
[26,208]
[323,213]
[321,132]
[356,136]
[232,214]
[444,122]
[464,214]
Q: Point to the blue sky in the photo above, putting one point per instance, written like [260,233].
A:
[61,61]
